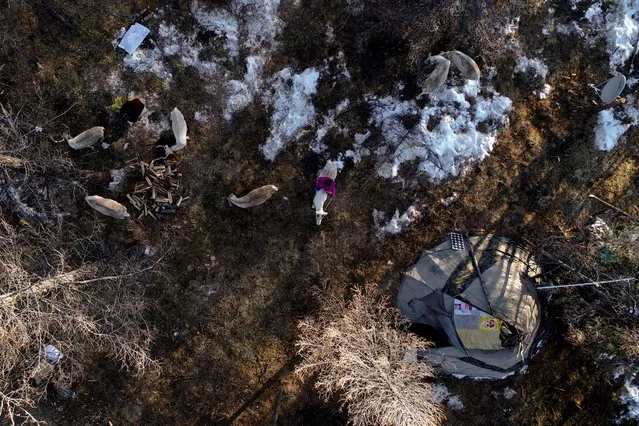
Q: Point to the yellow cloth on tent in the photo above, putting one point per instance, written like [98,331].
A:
[476,328]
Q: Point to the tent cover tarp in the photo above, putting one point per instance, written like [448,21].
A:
[481,298]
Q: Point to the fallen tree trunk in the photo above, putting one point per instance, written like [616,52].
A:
[41,287]
[11,162]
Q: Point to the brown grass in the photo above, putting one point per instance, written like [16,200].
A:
[58,283]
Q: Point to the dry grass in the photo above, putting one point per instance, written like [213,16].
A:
[357,349]
[59,284]
[603,317]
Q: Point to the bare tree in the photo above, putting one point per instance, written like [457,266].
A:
[358,350]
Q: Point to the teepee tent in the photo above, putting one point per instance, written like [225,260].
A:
[479,293]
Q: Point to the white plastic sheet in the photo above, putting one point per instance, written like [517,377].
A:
[134,37]
[53,354]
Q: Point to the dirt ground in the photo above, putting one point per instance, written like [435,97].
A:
[234,283]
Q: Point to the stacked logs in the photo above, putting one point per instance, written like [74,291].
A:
[158,193]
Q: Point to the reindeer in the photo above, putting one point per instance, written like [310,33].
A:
[324,187]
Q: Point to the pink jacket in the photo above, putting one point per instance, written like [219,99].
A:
[327,184]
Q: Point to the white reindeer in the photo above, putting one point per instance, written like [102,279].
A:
[324,187]
[178,125]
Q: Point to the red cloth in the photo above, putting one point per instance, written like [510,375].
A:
[327,184]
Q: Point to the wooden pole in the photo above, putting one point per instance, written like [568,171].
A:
[617,209]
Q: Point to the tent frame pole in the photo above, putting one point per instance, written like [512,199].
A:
[471,254]
[620,280]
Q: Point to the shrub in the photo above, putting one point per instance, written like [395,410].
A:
[358,350]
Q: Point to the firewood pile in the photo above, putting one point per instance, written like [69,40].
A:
[158,193]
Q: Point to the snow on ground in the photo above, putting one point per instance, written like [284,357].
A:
[571,29]
[358,151]
[186,47]
[506,393]
[446,136]
[509,393]
[248,24]
[608,130]
[148,60]
[335,67]
[220,21]
[442,395]
[245,25]
[289,97]
[629,397]
[613,123]
[242,93]
[449,200]
[544,92]
[618,23]
[170,41]
[622,29]
[527,65]
[397,224]
[511,30]
[146,128]
[201,116]
[328,123]
[117,179]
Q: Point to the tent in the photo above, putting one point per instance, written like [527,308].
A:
[479,294]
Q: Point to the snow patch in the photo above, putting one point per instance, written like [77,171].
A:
[336,67]
[622,29]
[630,398]
[570,29]
[455,403]
[290,100]
[146,128]
[619,24]
[201,116]
[446,136]
[148,60]
[358,152]
[619,371]
[441,395]
[449,200]
[328,123]
[117,179]
[526,65]
[397,224]
[613,123]
[330,34]
[221,22]
[171,42]
[242,92]
[244,24]
[186,47]
[510,393]
[250,24]
[608,131]
[544,92]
